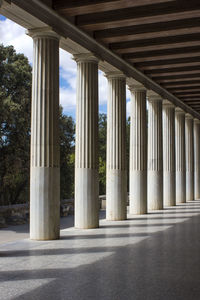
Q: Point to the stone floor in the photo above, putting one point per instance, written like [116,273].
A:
[155,256]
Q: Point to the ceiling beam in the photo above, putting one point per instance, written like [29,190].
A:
[180,84]
[177,50]
[172,77]
[145,28]
[67,30]
[167,40]
[138,12]
[172,70]
[167,62]
[73,8]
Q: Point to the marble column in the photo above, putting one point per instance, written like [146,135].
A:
[180,155]
[189,151]
[138,151]
[86,155]
[116,182]
[155,152]
[45,171]
[169,187]
[196,159]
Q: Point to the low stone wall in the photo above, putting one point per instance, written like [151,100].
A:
[14,214]
[19,213]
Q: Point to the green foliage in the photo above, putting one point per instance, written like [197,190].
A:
[67,156]
[127,149]
[15,115]
[102,153]
[15,94]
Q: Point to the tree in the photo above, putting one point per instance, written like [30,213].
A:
[15,115]
[67,156]
[15,95]
[102,153]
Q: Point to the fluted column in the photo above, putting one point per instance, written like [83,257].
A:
[116,186]
[86,156]
[138,151]
[155,152]
[196,159]
[169,190]
[189,151]
[180,155]
[45,171]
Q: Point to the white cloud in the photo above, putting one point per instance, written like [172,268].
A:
[102,89]
[128,103]
[67,100]
[13,34]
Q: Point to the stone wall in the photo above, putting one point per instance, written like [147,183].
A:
[19,213]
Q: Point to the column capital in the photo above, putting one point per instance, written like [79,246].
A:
[46,31]
[188,116]
[179,110]
[152,96]
[115,74]
[167,103]
[197,121]
[85,57]
[136,87]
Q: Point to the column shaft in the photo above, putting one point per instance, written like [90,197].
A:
[189,151]
[116,185]
[169,192]
[180,156]
[196,159]
[45,171]
[86,158]
[138,152]
[155,154]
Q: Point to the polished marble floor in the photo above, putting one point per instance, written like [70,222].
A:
[150,257]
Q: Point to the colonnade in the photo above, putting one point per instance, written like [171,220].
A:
[164,146]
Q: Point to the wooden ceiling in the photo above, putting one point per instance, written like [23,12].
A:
[161,38]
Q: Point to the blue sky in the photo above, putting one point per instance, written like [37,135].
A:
[13,34]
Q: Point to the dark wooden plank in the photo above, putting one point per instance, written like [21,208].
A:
[180,84]
[168,61]
[145,28]
[195,98]
[73,8]
[138,12]
[172,70]
[155,41]
[186,93]
[138,54]
[185,88]
[171,77]
[63,4]
[177,80]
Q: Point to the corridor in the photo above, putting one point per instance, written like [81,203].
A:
[154,256]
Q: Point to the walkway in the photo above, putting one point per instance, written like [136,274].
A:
[146,257]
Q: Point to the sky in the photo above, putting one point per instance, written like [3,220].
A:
[13,34]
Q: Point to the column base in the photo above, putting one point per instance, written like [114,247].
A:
[116,195]
[197,185]
[169,189]
[86,198]
[45,203]
[180,187]
[189,186]
[138,192]
[155,190]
